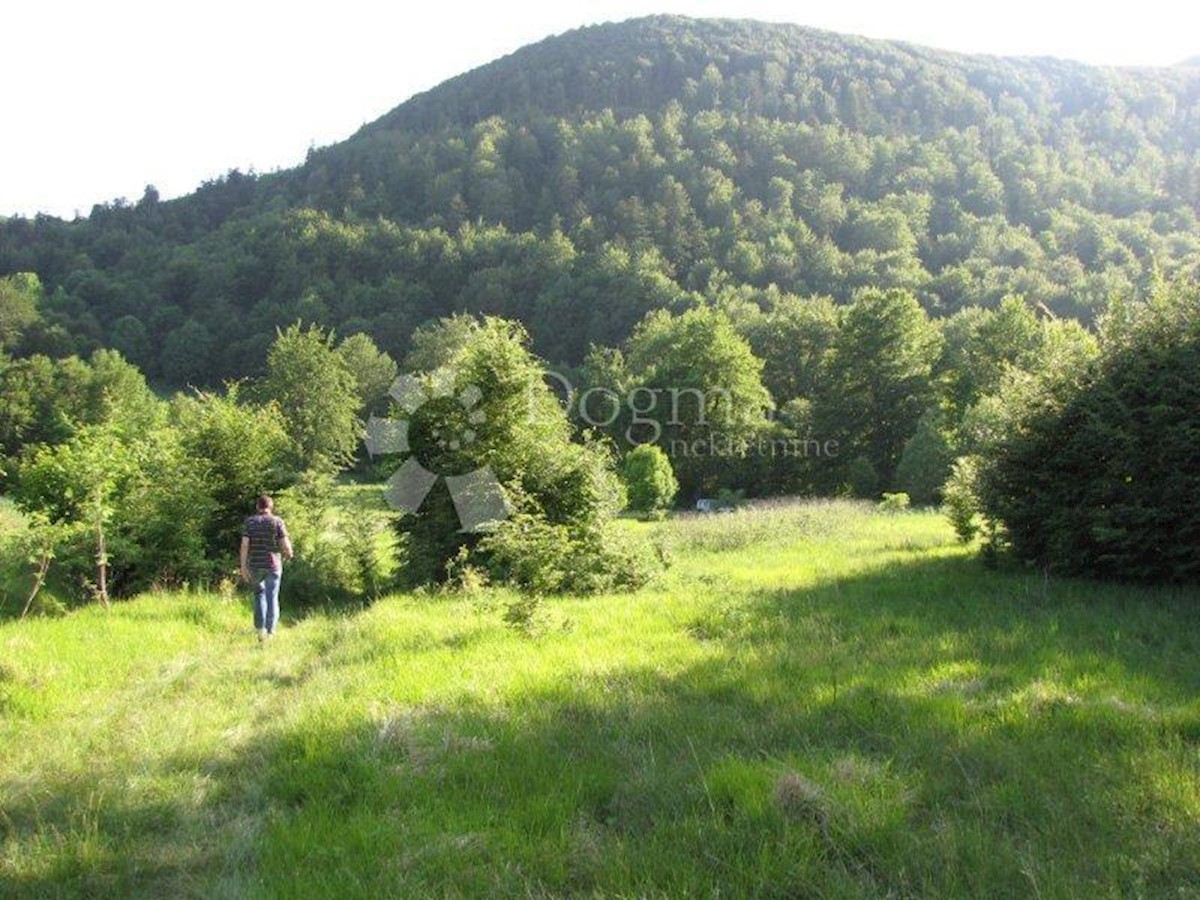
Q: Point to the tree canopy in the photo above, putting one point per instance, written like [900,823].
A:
[595,177]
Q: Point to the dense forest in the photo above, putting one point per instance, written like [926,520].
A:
[659,164]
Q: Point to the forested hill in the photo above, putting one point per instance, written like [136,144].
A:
[587,179]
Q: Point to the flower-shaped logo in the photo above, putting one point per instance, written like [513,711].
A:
[478,497]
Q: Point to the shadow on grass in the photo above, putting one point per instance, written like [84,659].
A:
[954,732]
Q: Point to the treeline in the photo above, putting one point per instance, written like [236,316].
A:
[880,385]
[1073,451]
[886,391]
[768,394]
[590,179]
[125,491]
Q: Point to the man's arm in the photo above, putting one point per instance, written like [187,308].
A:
[285,541]
[244,559]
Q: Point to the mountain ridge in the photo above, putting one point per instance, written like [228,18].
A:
[589,178]
[652,29]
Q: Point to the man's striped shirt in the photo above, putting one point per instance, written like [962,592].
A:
[266,533]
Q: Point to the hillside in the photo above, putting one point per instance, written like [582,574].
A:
[592,177]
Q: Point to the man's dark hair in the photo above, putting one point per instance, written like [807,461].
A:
[265,503]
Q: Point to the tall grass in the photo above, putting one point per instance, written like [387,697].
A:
[818,700]
[774,522]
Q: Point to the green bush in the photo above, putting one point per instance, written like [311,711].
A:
[960,500]
[649,479]
[544,558]
[169,498]
[242,450]
[1098,470]
[862,478]
[318,396]
[562,492]
[894,503]
[925,461]
[343,553]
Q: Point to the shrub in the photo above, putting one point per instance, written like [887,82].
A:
[169,499]
[143,501]
[560,492]
[170,513]
[544,558]
[925,461]
[342,554]
[242,451]
[649,479]
[78,486]
[1098,470]
[960,501]
[862,478]
[894,503]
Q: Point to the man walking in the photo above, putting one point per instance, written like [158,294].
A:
[265,545]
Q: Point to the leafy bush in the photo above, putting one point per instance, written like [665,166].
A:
[894,503]
[960,500]
[147,496]
[1098,470]
[925,461]
[166,502]
[317,394]
[342,554]
[649,479]
[560,491]
[141,505]
[544,558]
[242,449]
[862,478]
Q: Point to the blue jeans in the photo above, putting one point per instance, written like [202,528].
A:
[266,598]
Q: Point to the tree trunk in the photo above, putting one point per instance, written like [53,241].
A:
[39,579]
[101,561]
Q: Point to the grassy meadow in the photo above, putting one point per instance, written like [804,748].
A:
[816,700]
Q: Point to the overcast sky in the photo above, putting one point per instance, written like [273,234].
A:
[100,99]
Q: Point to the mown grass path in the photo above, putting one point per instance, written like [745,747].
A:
[817,700]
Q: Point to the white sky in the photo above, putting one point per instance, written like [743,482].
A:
[98,99]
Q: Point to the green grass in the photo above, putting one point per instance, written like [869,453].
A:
[817,700]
